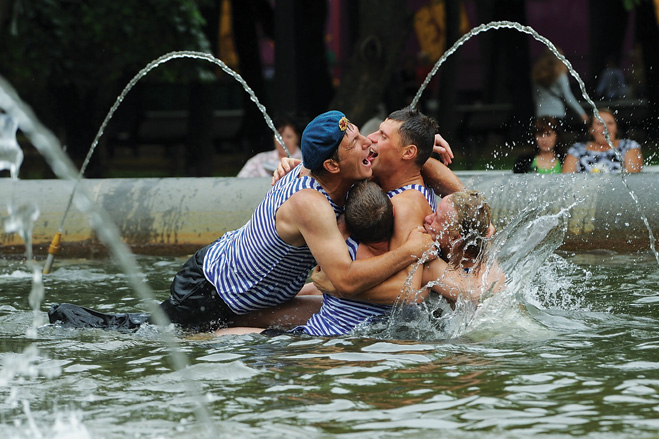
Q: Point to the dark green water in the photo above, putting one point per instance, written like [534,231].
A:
[575,353]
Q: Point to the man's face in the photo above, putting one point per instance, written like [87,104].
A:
[437,223]
[388,144]
[356,155]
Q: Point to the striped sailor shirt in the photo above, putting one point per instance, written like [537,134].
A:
[253,268]
[338,316]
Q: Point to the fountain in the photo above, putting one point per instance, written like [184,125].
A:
[568,351]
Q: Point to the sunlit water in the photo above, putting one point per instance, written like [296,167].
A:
[576,354]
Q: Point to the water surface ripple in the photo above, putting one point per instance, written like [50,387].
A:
[575,355]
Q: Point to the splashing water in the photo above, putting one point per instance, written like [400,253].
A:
[21,220]
[520,250]
[495,25]
[49,147]
[152,65]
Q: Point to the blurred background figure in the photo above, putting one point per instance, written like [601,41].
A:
[597,155]
[552,89]
[611,84]
[545,159]
[263,164]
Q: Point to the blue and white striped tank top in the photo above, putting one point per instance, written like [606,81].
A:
[253,268]
[339,316]
[429,194]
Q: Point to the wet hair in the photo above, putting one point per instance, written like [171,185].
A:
[473,220]
[369,213]
[416,129]
[547,68]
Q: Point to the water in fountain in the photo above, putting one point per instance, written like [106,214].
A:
[48,145]
[298,387]
[495,25]
[519,250]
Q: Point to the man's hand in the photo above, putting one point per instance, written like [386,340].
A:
[284,167]
[442,148]
[421,245]
[321,281]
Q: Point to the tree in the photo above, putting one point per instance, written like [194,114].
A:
[383,30]
[70,59]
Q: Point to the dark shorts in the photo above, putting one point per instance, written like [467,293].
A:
[194,302]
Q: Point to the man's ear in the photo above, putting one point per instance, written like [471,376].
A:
[410,152]
[331,166]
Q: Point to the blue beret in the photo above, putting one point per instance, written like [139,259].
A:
[321,137]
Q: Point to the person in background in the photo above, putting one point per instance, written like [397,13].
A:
[552,89]
[263,164]
[544,159]
[598,156]
[611,84]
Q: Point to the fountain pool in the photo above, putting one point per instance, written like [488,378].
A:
[569,349]
[575,356]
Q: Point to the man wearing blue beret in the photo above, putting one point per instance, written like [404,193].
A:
[267,261]
[404,142]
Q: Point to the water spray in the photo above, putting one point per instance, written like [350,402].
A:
[55,244]
[530,31]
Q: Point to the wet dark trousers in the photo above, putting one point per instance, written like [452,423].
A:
[194,304]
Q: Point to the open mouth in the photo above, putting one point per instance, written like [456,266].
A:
[371,156]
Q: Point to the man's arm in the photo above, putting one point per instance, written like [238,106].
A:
[434,275]
[442,148]
[308,212]
[284,167]
[440,178]
[454,282]
[403,286]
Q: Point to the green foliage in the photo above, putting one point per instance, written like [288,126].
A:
[98,44]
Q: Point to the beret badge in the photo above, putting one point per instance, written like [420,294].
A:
[343,123]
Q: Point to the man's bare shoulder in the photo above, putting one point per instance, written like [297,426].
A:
[304,212]
[308,203]
[410,198]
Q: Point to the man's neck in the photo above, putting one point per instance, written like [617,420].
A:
[401,177]
[335,187]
